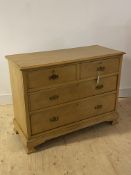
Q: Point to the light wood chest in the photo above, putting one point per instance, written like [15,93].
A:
[58,92]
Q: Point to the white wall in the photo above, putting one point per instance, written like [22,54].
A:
[38,25]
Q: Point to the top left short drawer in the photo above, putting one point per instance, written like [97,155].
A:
[50,76]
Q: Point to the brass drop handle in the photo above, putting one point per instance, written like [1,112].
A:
[98,106]
[53,76]
[54,97]
[98,80]
[54,119]
[99,86]
[100,68]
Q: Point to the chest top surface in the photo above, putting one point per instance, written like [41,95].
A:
[56,57]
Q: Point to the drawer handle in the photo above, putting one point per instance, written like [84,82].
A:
[101,68]
[98,106]
[54,97]
[99,86]
[54,119]
[53,77]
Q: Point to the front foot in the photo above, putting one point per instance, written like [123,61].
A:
[30,150]
[114,122]
[16,131]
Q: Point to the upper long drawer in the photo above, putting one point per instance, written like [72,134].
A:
[62,94]
[51,76]
[95,68]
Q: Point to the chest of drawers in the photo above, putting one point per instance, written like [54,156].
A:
[58,92]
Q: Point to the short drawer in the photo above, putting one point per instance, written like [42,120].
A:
[59,116]
[55,96]
[95,68]
[51,76]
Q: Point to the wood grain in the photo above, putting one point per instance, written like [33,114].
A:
[56,57]
[17,86]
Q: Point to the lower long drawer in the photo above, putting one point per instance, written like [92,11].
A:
[59,116]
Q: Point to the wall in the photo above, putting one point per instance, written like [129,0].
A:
[38,25]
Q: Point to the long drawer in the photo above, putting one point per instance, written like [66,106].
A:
[102,67]
[46,98]
[50,76]
[59,116]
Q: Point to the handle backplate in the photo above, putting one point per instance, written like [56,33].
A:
[54,97]
[53,77]
[54,119]
[100,86]
[100,68]
[98,106]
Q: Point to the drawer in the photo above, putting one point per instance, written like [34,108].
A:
[95,68]
[51,76]
[55,96]
[59,116]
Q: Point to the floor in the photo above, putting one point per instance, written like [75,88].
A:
[99,150]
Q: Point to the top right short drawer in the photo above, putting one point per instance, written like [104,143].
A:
[101,67]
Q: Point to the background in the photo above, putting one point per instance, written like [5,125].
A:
[38,25]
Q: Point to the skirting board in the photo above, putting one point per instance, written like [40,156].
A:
[125,92]
[7,98]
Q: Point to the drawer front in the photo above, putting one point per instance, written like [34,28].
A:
[51,76]
[70,113]
[95,68]
[68,93]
